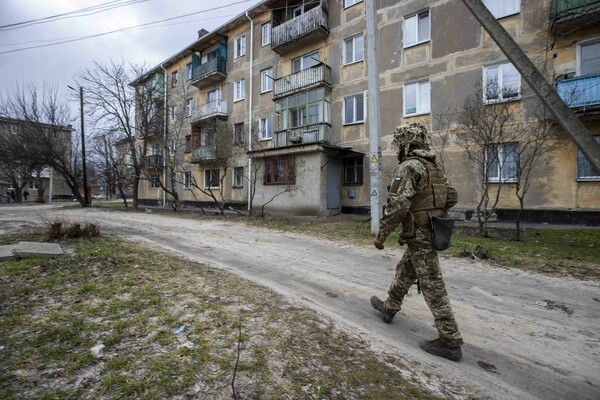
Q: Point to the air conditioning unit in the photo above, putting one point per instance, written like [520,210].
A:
[296,139]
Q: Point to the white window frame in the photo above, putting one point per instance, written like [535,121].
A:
[188,71]
[581,158]
[265,128]
[417,19]
[238,180]
[579,46]
[500,82]
[188,107]
[266,80]
[173,113]
[306,57]
[501,168]
[32,185]
[354,109]
[154,181]
[239,46]
[352,42]
[239,90]
[266,38]
[12,128]
[502,9]
[420,87]
[174,78]
[350,3]
[210,172]
[187,180]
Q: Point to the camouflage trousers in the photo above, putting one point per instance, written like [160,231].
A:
[421,262]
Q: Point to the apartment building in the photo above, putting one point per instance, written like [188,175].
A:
[16,176]
[272,107]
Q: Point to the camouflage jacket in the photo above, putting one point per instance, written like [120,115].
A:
[413,178]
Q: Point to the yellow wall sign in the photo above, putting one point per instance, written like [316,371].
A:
[374,158]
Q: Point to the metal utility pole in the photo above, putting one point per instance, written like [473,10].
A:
[562,114]
[373,115]
[86,194]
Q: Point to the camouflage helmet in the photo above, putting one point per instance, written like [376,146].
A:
[412,135]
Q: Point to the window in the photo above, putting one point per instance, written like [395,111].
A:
[12,128]
[303,109]
[174,79]
[238,133]
[416,29]
[212,178]
[353,171]
[154,181]
[502,82]
[239,90]
[212,97]
[266,128]
[354,49]
[416,98]
[187,180]
[266,80]
[266,34]
[585,170]
[188,107]
[503,8]
[239,48]
[188,71]
[588,58]
[238,177]
[354,109]
[279,171]
[188,143]
[304,62]
[173,114]
[349,3]
[501,162]
[32,185]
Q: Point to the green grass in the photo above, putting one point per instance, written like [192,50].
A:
[131,299]
[568,252]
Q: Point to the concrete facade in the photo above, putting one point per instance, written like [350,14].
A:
[446,53]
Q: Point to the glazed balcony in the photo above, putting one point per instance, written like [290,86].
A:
[315,133]
[319,75]
[580,93]
[298,32]
[209,73]
[153,162]
[568,15]
[204,154]
[213,109]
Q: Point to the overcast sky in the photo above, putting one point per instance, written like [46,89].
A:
[58,64]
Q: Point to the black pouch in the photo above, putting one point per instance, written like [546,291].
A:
[442,226]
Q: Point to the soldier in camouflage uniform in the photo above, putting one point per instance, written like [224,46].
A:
[419,190]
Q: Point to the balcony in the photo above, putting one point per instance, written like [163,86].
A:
[310,26]
[567,15]
[319,75]
[204,154]
[316,133]
[213,109]
[209,73]
[581,92]
[153,162]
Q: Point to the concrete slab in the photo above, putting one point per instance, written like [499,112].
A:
[6,251]
[24,249]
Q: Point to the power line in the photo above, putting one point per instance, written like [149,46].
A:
[82,12]
[121,29]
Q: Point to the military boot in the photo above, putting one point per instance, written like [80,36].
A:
[439,348]
[378,305]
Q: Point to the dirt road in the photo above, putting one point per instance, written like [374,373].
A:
[527,336]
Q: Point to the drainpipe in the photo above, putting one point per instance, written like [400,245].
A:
[166,152]
[250,109]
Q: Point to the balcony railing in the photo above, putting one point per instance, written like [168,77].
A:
[315,133]
[153,162]
[581,91]
[215,108]
[319,75]
[567,15]
[286,36]
[568,7]
[210,72]
[206,153]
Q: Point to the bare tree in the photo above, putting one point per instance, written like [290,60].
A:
[112,103]
[43,138]
[441,130]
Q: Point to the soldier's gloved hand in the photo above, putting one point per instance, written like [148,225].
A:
[379,243]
